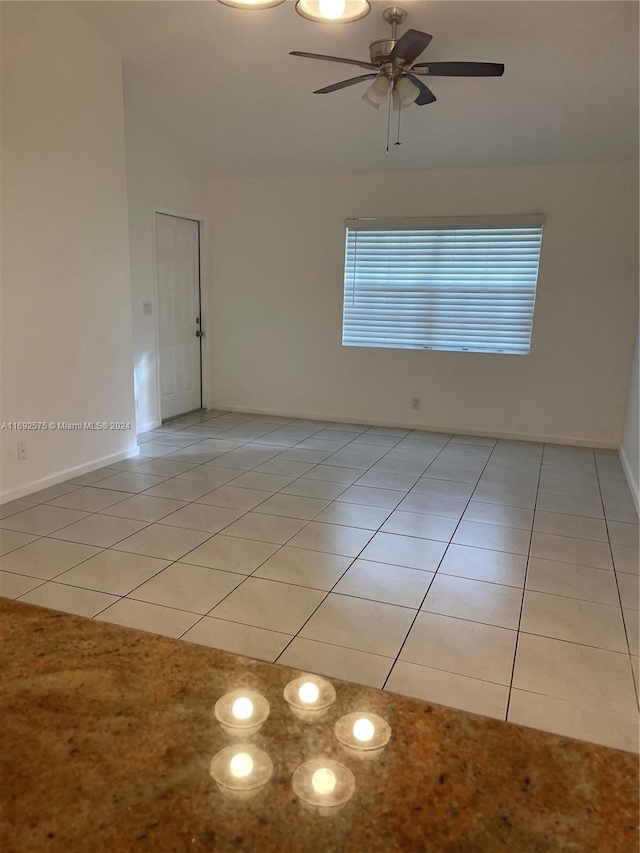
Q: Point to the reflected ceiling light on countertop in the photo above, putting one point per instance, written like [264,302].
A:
[323,783]
[241,768]
[333,11]
[251,4]
[241,711]
[309,693]
[362,735]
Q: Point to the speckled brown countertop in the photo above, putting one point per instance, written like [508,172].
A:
[107,735]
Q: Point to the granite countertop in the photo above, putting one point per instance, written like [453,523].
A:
[108,734]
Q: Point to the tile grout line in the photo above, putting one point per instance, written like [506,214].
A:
[615,574]
[524,586]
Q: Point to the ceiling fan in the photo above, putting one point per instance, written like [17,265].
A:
[392,68]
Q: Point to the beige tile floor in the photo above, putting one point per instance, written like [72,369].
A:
[496,576]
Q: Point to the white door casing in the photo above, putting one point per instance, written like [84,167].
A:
[178,283]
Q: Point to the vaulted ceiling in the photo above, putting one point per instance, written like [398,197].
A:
[220,82]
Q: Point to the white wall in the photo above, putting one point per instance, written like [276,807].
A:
[158,177]
[66,308]
[277,267]
[629,448]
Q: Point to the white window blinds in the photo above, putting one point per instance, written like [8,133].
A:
[464,284]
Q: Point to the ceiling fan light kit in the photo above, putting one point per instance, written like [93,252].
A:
[251,4]
[333,11]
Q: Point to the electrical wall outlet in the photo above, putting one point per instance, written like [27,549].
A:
[415,403]
[22,450]
[146,308]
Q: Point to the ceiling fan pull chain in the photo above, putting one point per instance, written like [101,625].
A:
[389,99]
[397,142]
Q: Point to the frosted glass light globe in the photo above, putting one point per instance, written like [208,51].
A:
[308,692]
[241,768]
[242,708]
[241,765]
[323,781]
[363,730]
[378,91]
[407,91]
[332,9]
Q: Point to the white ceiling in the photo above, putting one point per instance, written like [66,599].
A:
[220,82]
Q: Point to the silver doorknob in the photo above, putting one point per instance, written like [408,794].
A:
[199,334]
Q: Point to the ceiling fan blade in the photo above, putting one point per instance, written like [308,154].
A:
[460,69]
[343,85]
[334,59]
[410,46]
[426,96]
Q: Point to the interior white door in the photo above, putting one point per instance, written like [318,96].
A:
[179,320]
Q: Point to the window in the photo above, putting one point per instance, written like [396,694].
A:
[463,284]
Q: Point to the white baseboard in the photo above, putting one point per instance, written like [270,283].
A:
[147,427]
[631,476]
[61,476]
[553,439]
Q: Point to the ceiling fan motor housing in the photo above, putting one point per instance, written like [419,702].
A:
[379,50]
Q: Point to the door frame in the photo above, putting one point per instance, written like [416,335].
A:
[203,229]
